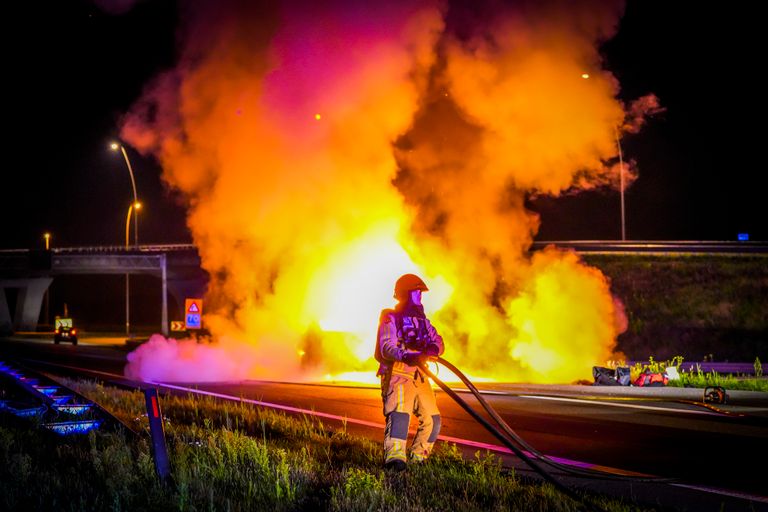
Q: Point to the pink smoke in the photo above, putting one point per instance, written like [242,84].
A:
[187,360]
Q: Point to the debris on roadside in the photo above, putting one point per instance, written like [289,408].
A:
[604,376]
[651,379]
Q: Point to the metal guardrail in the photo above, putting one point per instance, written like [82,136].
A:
[57,407]
[152,248]
[656,246]
[107,263]
[582,246]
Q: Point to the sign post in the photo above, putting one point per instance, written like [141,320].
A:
[193,312]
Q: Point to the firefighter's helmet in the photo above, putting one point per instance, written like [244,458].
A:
[407,283]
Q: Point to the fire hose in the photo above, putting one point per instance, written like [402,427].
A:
[516,443]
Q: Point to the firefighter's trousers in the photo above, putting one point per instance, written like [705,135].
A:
[403,395]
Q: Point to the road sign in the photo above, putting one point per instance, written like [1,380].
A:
[177,326]
[193,313]
[192,321]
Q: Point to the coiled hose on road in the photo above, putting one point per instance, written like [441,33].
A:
[516,443]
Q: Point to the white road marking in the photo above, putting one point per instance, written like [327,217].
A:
[612,404]
[725,492]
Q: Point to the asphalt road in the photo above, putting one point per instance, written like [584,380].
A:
[716,458]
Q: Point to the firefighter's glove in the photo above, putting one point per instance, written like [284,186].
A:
[414,358]
[432,350]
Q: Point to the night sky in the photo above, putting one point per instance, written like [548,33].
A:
[73,69]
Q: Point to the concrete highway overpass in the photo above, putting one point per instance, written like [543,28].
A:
[31,272]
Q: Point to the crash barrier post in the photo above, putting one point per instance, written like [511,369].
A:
[157,432]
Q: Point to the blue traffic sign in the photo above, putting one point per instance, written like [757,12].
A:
[193,321]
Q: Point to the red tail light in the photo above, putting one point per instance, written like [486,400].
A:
[74,331]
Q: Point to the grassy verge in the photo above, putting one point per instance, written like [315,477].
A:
[699,306]
[228,456]
[697,378]
[700,379]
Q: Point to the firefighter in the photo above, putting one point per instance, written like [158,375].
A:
[406,339]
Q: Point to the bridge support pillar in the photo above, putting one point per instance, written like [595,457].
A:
[164,288]
[28,303]
[6,325]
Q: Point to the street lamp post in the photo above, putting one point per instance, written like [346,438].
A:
[134,207]
[47,237]
[585,76]
[115,146]
[621,186]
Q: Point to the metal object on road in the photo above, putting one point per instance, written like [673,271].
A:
[715,395]
[157,432]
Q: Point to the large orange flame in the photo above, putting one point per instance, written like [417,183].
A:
[326,149]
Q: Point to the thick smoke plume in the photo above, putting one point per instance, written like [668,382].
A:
[325,149]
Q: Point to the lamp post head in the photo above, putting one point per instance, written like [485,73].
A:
[114,146]
[137,205]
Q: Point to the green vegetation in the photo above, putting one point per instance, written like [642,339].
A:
[699,305]
[232,456]
[696,378]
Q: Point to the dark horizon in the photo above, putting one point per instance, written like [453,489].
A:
[87,67]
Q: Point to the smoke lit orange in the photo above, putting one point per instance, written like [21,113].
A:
[429,139]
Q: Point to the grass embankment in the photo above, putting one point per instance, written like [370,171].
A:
[700,306]
[229,456]
[698,378]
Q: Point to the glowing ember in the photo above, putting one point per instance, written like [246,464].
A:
[423,167]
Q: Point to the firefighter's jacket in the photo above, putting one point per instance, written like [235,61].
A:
[390,347]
